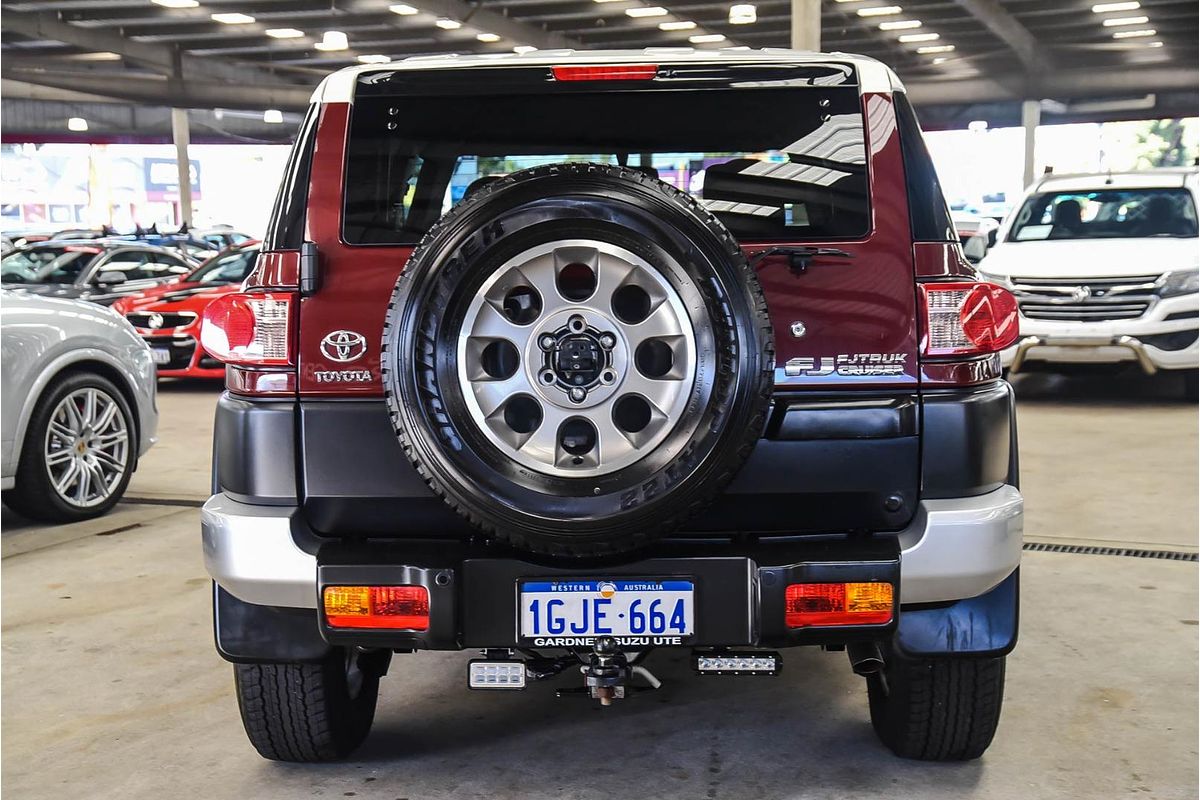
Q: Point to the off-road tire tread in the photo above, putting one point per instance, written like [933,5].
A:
[631,540]
[32,495]
[938,709]
[302,712]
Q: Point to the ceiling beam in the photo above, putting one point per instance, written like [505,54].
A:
[162,59]
[1009,30]
[161,91]
[1057,84]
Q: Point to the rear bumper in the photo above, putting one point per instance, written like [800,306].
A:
[953,549]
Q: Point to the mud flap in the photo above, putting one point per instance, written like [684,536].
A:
[981,626]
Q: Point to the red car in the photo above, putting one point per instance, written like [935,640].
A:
[168,317]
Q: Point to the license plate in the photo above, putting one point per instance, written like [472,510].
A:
[570,613]
[161,355]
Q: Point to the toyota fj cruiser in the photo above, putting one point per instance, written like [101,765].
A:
[565,357]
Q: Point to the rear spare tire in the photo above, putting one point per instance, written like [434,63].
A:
[577,358]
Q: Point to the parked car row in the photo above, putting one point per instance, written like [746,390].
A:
[79,378]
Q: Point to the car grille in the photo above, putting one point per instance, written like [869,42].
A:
[1085,299]
[150,320]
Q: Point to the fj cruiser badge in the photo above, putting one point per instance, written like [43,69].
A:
[846,364]
[344,346]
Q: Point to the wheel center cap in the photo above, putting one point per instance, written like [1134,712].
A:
[578,359]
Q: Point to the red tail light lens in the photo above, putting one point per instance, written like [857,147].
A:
[611,72]
[817,604]
[968,318]
[249,329]
[405,607]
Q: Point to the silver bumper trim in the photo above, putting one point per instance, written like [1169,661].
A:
[953,549]
[1128,342]
[250,552]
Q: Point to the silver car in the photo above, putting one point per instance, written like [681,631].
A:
[79,408]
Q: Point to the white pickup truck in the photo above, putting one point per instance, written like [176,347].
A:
[1104,268]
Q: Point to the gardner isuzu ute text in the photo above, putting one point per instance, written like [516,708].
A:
[563,358]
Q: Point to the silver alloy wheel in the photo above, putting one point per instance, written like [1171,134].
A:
[86,450]
[577,357]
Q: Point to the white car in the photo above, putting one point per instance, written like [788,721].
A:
[79,406]
[1104,268]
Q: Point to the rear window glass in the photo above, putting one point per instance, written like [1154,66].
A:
[783,163]
[1105,214]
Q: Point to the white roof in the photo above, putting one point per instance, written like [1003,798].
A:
[873,76]
[1166,177]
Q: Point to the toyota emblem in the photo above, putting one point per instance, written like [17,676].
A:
[344,346]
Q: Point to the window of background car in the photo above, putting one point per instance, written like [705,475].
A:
[139,265]
[1105,214]
[46,264]
[774,164]
[231,268]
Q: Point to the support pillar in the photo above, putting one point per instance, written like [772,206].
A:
[1031,117]
[181,135]
[806,25]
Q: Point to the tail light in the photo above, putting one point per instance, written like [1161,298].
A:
[249,329]
[253,334]
[818,604]
[403,607]
[968,318]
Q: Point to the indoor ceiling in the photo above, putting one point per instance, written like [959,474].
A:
[269,53]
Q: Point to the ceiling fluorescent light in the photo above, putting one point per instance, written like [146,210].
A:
[177,3]
[77,124]
[940,60]
[284,33]
[403,10]
[900,25]
[1104,8]
[488,37]
[1134,34]
[743,14]
[646,11]
[374,59]
[233,19]
[936,48]
[676,26]
[908,38]
[273,116]
[332,40]
[879,11]
[706,38]
[522,49]
[447,24]
[1113,22]
[1154,44]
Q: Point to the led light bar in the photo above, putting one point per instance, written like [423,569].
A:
[483,674]
[740,663]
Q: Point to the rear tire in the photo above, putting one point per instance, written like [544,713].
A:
[943,709]
[307,712]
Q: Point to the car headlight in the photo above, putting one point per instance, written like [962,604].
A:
[992,277]
[1184,281]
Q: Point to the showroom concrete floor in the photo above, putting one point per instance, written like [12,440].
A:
[111,688]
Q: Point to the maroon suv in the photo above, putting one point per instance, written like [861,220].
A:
[564,358]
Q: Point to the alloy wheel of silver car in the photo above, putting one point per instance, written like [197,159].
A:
[577,357]
[86,449]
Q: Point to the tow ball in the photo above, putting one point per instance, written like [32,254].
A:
[606,672]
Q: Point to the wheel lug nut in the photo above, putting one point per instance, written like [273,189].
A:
[607,341]
[578,394]
[546,342]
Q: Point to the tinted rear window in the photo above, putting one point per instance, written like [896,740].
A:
[782,162]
